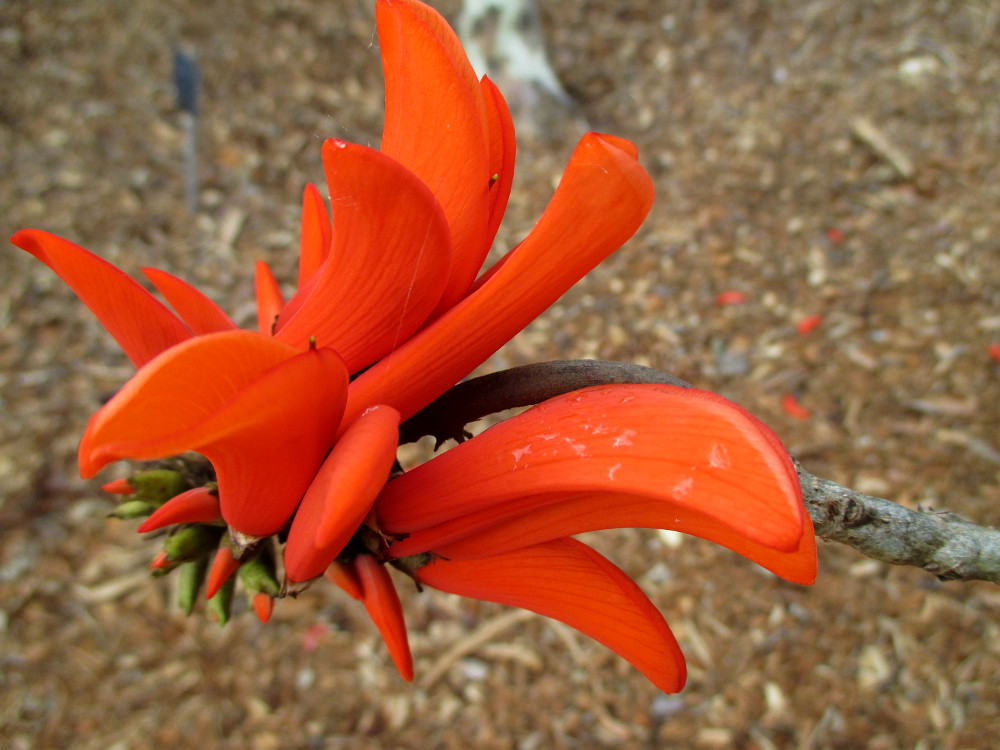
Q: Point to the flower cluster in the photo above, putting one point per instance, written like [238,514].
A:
[300,418]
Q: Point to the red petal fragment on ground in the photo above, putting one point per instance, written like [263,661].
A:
[791,406]
[139,322]
[835,235]
[200,313]
[314,242]
[198,505]
[223,567]
[119,487]
[342,493]
[682,448]
[343,576]
[994,351]
[388,261]
[808,324]
[264,414]
[270,300]
[379,596]
[602,199]
[436,126]
[263,606]
[730,297]
[568,581]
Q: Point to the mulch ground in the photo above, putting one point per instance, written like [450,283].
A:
[821,158]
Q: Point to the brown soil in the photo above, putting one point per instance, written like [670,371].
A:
[756,120]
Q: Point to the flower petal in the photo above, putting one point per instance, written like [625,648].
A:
[388,262]
[140,323]
[344,576]
[270,300]
[503,152]
[686,451]
[602,199]
[591,512]
[435,125]
[198,505]
[379,596]
[195,308]
[342,493]
[314,242]
[264,414]
[568,581]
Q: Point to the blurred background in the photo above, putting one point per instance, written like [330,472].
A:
[813,158]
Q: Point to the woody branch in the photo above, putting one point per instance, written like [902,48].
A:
[940,542]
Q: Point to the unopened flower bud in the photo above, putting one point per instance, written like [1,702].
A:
[220,606]
[263,605]
[132,509]
[158,485]
[119,487]
[190,578]
[259,575]
[192,542]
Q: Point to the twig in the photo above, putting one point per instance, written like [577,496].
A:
[941,543]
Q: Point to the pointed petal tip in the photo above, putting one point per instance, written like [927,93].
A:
[263,606]
[223,567]
[198,505]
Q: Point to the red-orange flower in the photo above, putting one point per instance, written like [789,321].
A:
[300,418]
[385,283]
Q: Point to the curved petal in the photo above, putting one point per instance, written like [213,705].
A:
[270,300]
[264,414]
[139,322]
[503,153]
[388,261]
[684,451]
[482,534]
[342,493]
[379,596]
[195,308]
[436,125]
[314,242]
[224,566]
[568,581]
[198,505]
[602,199]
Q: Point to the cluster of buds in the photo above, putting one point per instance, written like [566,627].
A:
[200,548]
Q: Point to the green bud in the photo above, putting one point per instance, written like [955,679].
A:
[158,485]
[190,577]
[259,575]
[132,509]
[220,606]
[192,542]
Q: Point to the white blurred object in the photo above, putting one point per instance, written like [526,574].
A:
[504,40]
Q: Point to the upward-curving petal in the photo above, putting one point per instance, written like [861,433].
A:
[314,243]
[263,413]
[195,308]
[388,262]
[695,459]
[568,581]
[270,300]
[436,126]
[602,199]
[503,153]
[140,323]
